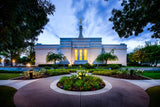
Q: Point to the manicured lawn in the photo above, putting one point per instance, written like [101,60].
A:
[6,96]
[6,76]
[154,93]
[153,75]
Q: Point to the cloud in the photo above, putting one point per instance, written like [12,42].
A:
[94,15]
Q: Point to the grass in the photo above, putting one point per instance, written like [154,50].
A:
[6,76]
[154,93]
[6,96]
[153,75]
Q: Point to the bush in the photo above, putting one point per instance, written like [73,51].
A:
[4,71]
[88,66]
[113,66]
[81,82]
[36,74]
[123,71]
[55,66]
[53,72]
[106,73]
[47,67]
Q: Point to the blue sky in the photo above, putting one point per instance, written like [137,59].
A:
[94,15]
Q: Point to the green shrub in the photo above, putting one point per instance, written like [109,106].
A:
[63,79]
[78,83]
[106,73]
[53,72]
[88,66]
[5,71]
[72,70]
[113,66]
[81,84]
[47,67]
[55,66]
[123,71]
[95,85]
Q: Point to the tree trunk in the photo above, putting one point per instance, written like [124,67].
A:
[11,59]
[106,62]
[54,61]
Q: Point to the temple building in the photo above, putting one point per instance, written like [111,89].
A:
[81,50]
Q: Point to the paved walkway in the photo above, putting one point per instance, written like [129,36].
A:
[122,94]
[16,83]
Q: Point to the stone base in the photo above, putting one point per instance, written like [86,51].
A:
[80,62]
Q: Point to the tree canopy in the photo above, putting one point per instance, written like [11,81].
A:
[149,53]
[21,21]
[52,57]
[105,57]
[135,16]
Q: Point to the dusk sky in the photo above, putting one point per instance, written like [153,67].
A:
[94,15]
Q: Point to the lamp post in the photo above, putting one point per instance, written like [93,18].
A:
[31,74]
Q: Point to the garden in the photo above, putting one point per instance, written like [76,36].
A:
[112,70]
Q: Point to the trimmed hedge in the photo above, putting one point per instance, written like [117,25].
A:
[4,71]
[54,72]
[106,73]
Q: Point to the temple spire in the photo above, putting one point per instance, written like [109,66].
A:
[80,29]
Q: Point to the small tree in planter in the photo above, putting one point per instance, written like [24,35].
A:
[104,57]
[54,57]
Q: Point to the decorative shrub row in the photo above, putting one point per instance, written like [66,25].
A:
[4,71]
[86,66]
[53,72]
[106,72]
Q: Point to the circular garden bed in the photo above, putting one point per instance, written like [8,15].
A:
[81,82]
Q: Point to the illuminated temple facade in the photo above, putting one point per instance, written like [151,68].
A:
[81,50]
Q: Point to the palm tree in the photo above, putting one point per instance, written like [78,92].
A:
[105,57]
[54,57]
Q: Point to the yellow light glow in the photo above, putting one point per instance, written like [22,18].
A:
[2,60]
[75,54]
[85,54]
[80,54]
[13,61]
[28,65]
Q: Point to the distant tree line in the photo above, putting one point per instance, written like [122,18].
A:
[150,54]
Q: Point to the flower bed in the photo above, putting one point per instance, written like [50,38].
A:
[81,82]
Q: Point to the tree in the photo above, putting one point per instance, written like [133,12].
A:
[21,22]
[135,16]
[54,57]
[152,52]
[105,57]
[24,60]
[149,53]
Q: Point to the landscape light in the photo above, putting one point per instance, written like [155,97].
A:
[28,65]
[13,61]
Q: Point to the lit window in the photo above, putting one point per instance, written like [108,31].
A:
[85,54]
[76,54]
[80,54]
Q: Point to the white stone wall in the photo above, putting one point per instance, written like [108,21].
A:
[92,54]
[41,56]
[67,52]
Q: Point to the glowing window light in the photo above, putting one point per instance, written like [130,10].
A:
[76,54]
[85,54]
[80,54]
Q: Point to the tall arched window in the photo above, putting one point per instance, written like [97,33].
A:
[76,54]
[80,54]
[85,54]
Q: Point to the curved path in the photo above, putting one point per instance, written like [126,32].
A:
[122,94]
